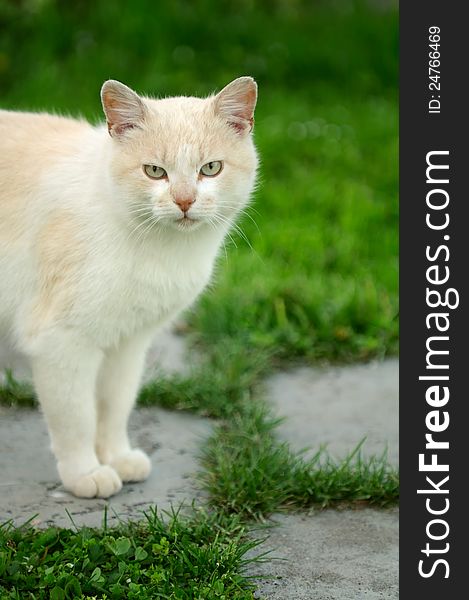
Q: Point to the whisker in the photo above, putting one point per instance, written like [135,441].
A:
[139,226]
[140,210]
[240,232]
[143,234]
[244,212]
[220,219]
[213,225]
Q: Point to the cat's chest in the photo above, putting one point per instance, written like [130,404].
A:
[144,293]
[157,289]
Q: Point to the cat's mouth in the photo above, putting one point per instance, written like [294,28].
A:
[187,222]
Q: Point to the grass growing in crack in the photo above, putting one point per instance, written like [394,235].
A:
[226,378]
[16,393]
[197,557]
[218,387]
[248,471]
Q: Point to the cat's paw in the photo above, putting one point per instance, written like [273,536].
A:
[102,482]
[134,465]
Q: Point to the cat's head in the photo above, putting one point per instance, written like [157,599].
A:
[182,162]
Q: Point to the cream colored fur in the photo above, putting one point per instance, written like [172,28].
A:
[95,255]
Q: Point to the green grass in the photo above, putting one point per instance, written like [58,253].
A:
[196,557]
[16,393]
[320,282]
[225,380]
[248,471]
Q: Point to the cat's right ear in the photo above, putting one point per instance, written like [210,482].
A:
[123,108]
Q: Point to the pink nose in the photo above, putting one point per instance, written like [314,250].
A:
[184,202]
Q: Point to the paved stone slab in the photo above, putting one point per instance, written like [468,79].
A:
[335,555]
[29,483]
[339,406]
[331,555]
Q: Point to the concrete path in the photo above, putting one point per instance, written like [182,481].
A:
[331,555]
[328,555]
[335,555]
[29,483]
[338,407]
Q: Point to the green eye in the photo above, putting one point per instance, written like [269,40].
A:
[212,168]
[155,172]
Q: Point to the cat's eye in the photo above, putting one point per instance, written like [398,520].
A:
[155,172]
[212,168]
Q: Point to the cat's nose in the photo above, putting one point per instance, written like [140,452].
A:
[184,202]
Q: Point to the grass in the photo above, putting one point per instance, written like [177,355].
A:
[16,393]
[201,557]
[248,474]
[219,386]
[248,471]
[322,271]
[316,281]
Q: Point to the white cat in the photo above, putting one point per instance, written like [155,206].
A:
[106,233]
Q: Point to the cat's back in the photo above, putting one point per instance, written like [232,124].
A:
[42,136]
[33,165]
[30,145]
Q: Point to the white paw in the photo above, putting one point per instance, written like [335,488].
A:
[102,482]
[134,465]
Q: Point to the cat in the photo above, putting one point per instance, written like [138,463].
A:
[106,233]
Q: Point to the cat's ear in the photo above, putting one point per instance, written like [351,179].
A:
[123,108]
[236,103]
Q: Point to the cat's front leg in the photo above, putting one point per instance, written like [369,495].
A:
[65,368]
[118,381]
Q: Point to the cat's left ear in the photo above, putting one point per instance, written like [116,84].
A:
[236,103]
[123,108]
